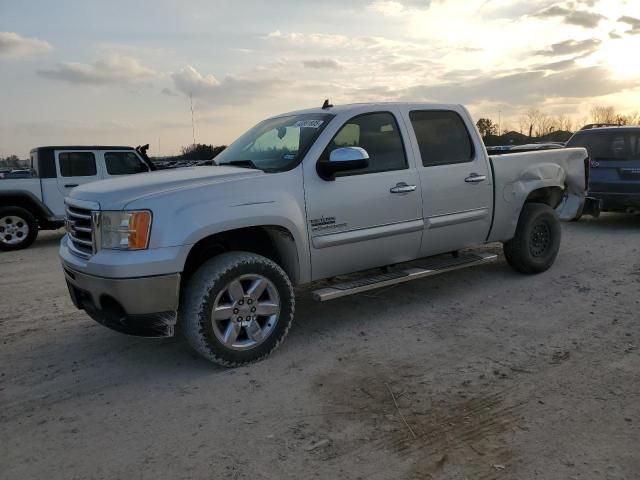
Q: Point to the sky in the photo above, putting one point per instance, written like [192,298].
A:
[126,72]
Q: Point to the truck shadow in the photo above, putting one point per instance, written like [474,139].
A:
[77,357]
[73,346]
[47,239]
[612,221]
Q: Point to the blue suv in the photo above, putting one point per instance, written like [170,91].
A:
[614,165]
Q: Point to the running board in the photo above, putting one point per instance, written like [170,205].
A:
[427,268]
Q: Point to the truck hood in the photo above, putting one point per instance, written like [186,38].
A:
[115,193]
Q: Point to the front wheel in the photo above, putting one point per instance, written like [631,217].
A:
[18,228]
[535,245]
[237,308]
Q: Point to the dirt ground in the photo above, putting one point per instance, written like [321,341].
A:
[476,374]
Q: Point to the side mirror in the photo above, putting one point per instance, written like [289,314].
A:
[342,160]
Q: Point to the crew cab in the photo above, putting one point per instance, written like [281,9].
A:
[386,192]
[36,201]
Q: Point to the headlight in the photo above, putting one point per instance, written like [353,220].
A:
[125,230]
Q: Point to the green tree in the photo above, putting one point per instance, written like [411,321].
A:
[12,161]
[487,127]
[200,151]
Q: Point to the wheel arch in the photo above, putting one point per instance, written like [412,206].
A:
[27,201]
[271,241]
[509,209]
[549,195]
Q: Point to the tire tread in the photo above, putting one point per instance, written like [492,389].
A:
[195,297]
[516,250]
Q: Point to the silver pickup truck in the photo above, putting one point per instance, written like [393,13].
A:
[385,193]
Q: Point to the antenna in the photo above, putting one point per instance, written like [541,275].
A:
[193,126]
[326,104]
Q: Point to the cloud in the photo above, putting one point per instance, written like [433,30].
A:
[168,92]
[13,45]
[556,66]
[524,87]
[322,64]
[115,69]
[230,89]
[634,22]
[571,47]
[581,18]
[332,41]
[317,39]
[388,7]
[191,82]
[396,8]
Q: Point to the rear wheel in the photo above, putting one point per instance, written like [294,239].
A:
[18,228]
[237,308]
[535,245]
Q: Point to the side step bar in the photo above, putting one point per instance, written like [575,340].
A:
[428,268]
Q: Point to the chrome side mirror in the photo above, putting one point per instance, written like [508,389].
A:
[342,160]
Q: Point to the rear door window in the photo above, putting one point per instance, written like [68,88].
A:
[442,137]
[77,164]
[123,163]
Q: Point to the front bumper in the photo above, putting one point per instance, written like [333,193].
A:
[143,306]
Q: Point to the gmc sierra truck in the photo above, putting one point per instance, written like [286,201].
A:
[35,200]
[386,193]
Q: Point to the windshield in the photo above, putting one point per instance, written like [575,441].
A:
[276,144]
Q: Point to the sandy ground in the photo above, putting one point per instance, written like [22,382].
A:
[497,375]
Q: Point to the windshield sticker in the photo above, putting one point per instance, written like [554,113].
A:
[308,123]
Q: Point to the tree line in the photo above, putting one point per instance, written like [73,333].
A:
[199,151]
[12,161]
[536,124]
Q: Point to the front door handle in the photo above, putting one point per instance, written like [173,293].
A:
[475,178]
[402,188]
[71,185]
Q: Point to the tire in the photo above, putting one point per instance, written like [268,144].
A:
[237,340]
[18,228]
[535,245]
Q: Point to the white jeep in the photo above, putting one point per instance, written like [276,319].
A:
[35,201]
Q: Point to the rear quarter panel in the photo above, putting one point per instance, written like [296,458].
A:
[517,175]
[17,185]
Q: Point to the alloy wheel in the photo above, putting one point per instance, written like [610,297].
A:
[13,230]
[245,312]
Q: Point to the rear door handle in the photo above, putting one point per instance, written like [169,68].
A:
[475,178]
[70,185]
[402,188]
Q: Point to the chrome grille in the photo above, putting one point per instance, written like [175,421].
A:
[79,226]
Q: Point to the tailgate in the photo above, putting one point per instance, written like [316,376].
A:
[614,176]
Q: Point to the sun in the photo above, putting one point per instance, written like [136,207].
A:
[621,57]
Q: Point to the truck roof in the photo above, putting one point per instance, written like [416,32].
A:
[82,147]
[353,106]
[611,128]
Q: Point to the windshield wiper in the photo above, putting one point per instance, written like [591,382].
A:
[241,164]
